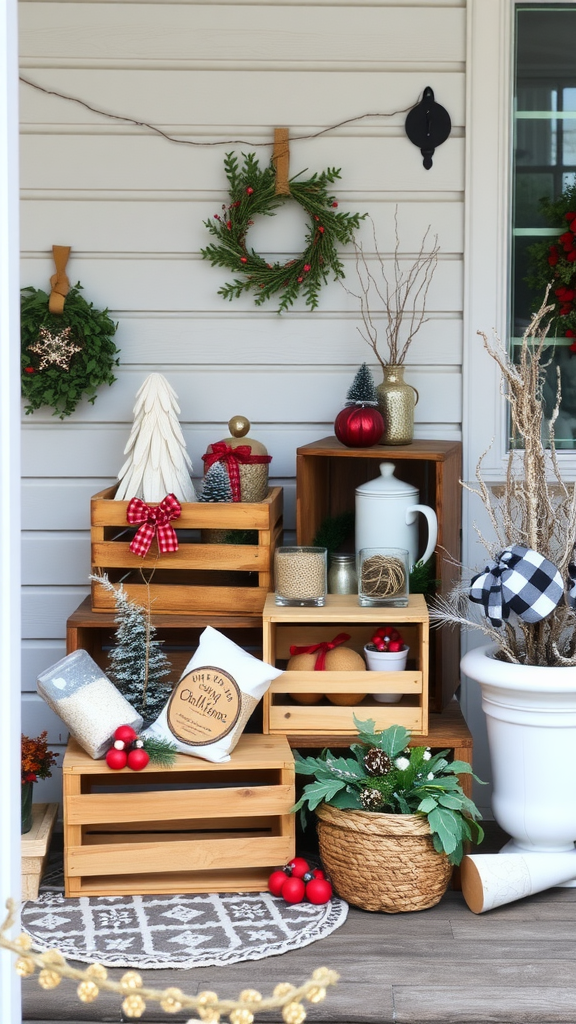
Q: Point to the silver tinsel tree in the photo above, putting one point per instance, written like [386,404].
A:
[137,662]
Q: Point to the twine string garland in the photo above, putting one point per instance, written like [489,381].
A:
[91,981]
[382,576]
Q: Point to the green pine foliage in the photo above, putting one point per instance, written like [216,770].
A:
[334,531]
[252,194]
[418,783]
[138,664]
[216,486]
[89,369]
[161,752]
[362,391]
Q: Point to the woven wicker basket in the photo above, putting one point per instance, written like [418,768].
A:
[382,862]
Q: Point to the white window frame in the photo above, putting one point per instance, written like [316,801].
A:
[490,40]
[10,757]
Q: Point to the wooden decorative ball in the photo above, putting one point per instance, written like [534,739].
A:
[304,663]
[344,659]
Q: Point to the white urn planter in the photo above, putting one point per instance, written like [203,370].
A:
[531,722]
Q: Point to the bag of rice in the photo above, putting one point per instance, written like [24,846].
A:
[86,701]
[210,706]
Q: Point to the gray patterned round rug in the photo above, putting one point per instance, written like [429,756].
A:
[208,930]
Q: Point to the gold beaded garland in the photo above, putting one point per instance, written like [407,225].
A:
[324,976]
[284,988]
[24,941]
[133,1006]
[48,979]
[205,1011]
[250,995]
[316,994]
[294,1013]
[53,956]
[97,971]
[241,1017]
[130,981]
[172,1000]
[24,966]
[87,991]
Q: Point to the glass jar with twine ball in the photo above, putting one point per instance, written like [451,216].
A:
[383,577]
[400,293]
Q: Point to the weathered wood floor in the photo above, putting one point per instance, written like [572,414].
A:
[514,965]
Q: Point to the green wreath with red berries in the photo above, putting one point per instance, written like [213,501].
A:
[556,262]
[252,194]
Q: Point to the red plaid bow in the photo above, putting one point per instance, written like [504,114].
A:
[233,457]
[323,648]
[155,522]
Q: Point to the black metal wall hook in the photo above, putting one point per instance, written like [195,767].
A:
[428,125]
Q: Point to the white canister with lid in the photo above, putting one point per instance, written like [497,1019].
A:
[387,516]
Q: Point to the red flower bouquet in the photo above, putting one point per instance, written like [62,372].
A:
[37,760]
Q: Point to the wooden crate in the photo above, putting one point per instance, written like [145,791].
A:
[198,577]
[284,626]
[327,475]
[35,846]
[95,632]
[195,827]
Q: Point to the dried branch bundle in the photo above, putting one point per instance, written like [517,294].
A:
[535,508]
[401,294]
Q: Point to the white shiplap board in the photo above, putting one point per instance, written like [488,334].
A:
[132,206]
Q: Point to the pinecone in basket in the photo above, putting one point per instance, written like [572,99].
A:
[376,762]
[371,799]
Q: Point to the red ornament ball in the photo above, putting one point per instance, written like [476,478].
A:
[298,867]
[116,758]
[318,873]
[125,733]
[359,426]
[138,759]
[293,890]
[276,881]
[319,890]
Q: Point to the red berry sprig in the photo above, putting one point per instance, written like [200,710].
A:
[386,639]
[297,881]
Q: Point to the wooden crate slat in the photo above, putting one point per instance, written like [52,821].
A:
[176,598]
[239,557]
[224,880]
[333,720]
[93,808]
[123,858]
[354,682]
[252,753]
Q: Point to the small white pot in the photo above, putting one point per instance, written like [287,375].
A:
[386,661]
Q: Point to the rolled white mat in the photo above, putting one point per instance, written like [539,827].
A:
[490,880]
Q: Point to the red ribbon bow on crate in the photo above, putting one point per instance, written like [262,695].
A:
[323,648]
[234,457]
[155,522]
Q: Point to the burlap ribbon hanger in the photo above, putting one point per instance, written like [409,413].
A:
[281,161]
[59,281]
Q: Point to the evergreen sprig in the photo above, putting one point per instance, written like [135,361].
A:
[252,193]
[89,369]
[418,782]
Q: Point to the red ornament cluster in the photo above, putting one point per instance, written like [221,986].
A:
[298,881]
[387,639]
[127,751]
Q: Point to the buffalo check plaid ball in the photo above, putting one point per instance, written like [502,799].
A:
[520,581]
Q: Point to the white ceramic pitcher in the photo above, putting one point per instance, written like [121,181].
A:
[387,516]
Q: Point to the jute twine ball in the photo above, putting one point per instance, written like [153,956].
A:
[382,576]
[341,659]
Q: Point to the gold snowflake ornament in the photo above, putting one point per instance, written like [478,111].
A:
[55,348]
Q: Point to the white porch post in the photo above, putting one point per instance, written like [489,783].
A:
[10,1005]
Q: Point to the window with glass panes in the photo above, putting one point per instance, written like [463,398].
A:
[544,164]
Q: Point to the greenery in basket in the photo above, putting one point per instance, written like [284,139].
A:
[385,775]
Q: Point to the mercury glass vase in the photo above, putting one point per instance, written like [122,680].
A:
[26,809]
[396,402]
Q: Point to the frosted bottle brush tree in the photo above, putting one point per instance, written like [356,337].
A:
[138,665]
[523,599]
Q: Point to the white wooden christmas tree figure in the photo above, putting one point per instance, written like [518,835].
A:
[158,463]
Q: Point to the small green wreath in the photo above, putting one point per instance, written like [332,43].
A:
[252,192]
[64,356]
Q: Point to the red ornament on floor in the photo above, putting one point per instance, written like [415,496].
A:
[319,891]
[293,890]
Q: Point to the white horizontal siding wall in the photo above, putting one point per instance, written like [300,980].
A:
[131,205]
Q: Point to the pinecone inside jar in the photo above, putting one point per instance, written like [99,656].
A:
[376,762]
[371,799]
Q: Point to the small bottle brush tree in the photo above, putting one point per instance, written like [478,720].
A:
[216,487]
[362,390]
[138,664]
